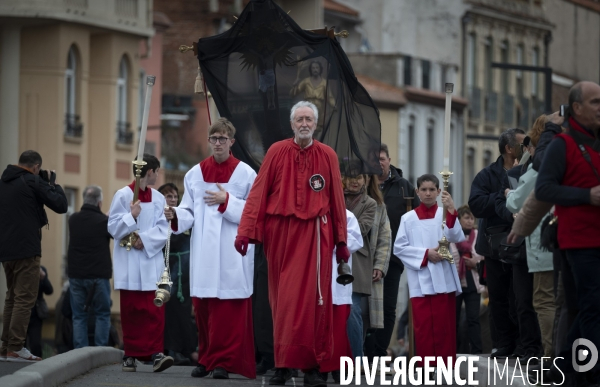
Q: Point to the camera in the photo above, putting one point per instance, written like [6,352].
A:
[44,175]
[563,110]
[49,176]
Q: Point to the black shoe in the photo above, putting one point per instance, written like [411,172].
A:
[503,352]
[265,365]
[220,373]
[128,364]
[313,378]
[281,376]
[161,362]
[324,375]
[336,376]
[199,372]
[294,372]
[180,360]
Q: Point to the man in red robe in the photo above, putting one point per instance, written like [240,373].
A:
[296,209]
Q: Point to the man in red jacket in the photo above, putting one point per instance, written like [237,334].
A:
[570,178]
[296,209]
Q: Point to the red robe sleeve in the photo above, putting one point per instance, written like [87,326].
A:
[337,205]
[252,223]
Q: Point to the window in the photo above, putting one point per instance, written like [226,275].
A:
[71,194]
[489,58]
[471,164]
[72,126]
[407,70]
[519,72]
[425,74]
[124,134]
[412,153]
[471,41]
[535,61]
[487,158]
[504,59]
[430,145]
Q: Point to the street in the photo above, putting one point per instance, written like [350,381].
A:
[112,376]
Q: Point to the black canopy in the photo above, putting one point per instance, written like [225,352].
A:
[258,69]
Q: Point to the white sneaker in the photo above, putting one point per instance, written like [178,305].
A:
[22,355]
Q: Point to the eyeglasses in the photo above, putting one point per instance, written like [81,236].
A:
[222,140]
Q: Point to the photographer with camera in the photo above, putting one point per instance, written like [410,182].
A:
[569,178]
[24,190]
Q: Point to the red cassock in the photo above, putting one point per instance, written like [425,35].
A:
[143,324]
[434,322]
[434,316]
[225,332]
[296,209]
[341,344]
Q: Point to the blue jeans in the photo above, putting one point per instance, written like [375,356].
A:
[354,326]
[100,304]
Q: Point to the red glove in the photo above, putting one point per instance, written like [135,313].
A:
[241,244]
[342,253]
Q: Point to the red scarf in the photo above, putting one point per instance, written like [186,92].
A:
[143,196]
[465,248]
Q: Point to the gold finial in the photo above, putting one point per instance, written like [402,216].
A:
[183,48]
[342,34]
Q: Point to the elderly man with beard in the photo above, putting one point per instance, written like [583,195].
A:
[298,196]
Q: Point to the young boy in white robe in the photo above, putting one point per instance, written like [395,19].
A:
[221,280]
[138,270]
[342,302]
[432,281]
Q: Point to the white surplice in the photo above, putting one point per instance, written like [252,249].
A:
[414,237]
[138,269]
[216,268]
[342,295]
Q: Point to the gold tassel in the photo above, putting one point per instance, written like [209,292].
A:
[199,85]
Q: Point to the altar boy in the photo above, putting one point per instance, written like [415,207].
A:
[432,281]
[221,280]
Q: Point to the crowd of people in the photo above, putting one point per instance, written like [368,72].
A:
[264,248]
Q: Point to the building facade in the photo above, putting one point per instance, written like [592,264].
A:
[70,89]
[409,45]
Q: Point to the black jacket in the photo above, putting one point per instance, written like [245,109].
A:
[394,191]
[89,244]
[488,189]
[22,215]
[550,131]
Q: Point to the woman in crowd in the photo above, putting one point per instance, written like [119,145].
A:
[38,314]
[539,262]
[466,260]
[363,207]
[380,241]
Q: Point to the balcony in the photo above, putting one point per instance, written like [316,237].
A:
[73,127]
[124,133]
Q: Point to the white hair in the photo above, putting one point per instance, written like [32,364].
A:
[304,104]
[92,194]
